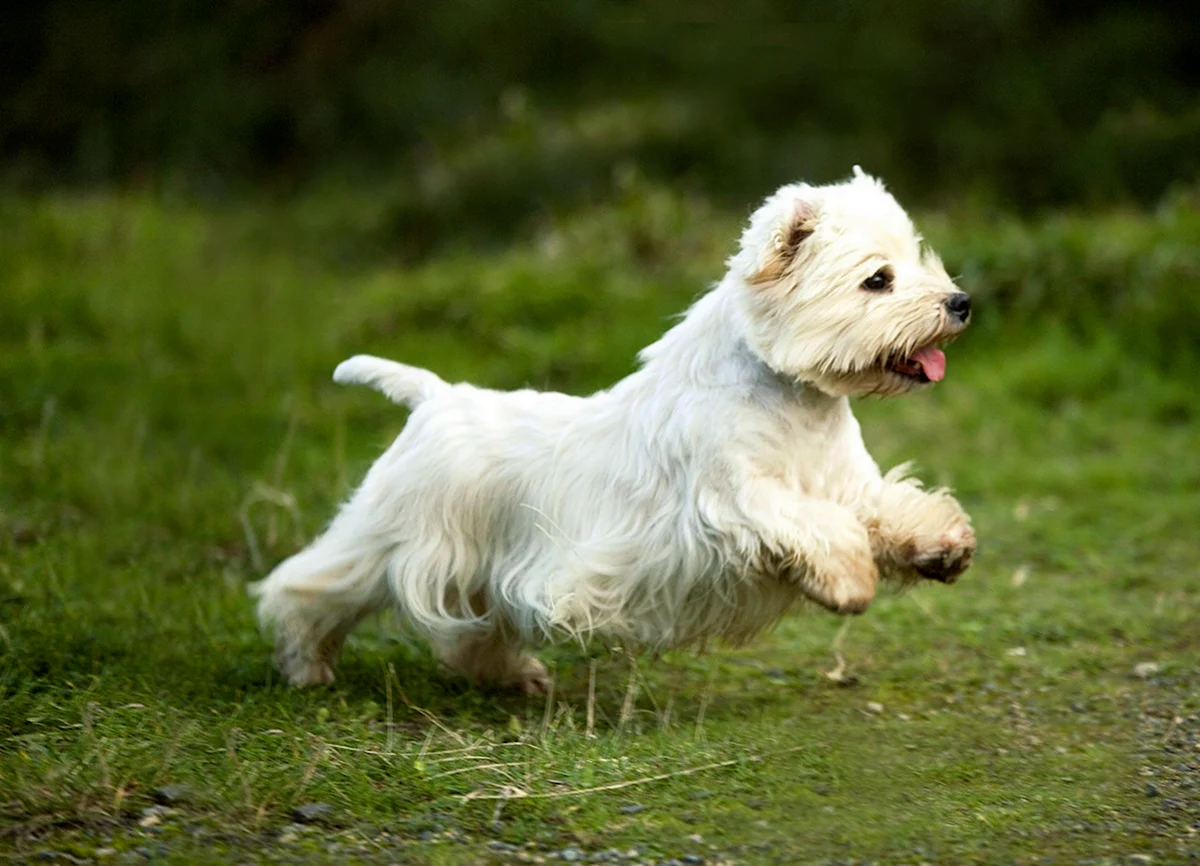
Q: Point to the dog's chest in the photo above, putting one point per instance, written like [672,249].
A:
[816,451]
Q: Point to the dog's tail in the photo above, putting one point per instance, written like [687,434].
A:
[400,383]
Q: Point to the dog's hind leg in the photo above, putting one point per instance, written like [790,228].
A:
[312,601]
[490,658]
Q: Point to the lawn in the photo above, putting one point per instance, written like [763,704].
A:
[168,431]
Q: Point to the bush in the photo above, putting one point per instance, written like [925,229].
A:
[506,106]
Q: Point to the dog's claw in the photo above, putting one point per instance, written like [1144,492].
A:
[947,563]
[941,570]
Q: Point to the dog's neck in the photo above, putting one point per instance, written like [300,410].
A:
[710,348]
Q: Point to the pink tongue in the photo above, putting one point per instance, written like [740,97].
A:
[933,361]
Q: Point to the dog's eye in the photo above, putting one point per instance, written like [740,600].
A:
[878,281]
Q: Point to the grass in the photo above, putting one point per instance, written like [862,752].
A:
[169,431]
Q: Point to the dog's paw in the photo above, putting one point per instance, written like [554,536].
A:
[945,558]
[531,677]
[303,673]
[845,583]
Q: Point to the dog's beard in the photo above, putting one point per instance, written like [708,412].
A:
[888,373]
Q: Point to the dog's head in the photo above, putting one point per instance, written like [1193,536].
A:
[839,291]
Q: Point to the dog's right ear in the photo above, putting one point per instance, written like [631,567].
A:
[797,222]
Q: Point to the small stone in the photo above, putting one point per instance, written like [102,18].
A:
[1017,652]
[1139,858]
[775,673]
[498,845]
[1151,789]
[169,795]
[874,707]
[311,813]
[632,809]
[695,837]
[1145,670]
[571,855]
[692,859]
[105,852]
[150,820]
[702,795]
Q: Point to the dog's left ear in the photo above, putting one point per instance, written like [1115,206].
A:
[798,222]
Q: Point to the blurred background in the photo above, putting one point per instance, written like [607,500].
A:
[498,109]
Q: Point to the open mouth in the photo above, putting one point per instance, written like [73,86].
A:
[924,365]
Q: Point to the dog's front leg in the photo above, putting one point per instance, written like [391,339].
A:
[818,543]
[918,533]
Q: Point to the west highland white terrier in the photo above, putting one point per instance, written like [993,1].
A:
[700,497]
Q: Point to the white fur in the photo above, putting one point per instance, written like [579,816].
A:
[699,497]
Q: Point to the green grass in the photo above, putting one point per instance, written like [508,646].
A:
[168,431]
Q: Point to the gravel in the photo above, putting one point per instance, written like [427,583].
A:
[312,813]
[169,795]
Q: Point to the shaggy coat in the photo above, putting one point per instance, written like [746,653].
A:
[700,497]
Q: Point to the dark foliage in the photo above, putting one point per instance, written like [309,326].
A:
[1023,102]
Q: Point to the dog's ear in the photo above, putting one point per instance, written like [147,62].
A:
[791,229]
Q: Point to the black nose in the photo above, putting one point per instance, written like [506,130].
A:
[959,305]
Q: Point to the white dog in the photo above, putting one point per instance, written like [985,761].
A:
[700,497]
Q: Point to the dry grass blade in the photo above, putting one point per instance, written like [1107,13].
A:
[482,744]
[548,711]
[389,675]
[476,768]
[705,697]
[631,690]
[838,674]
[263,493]
[510,793]
[590,731]
[172,748]
[311,768]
